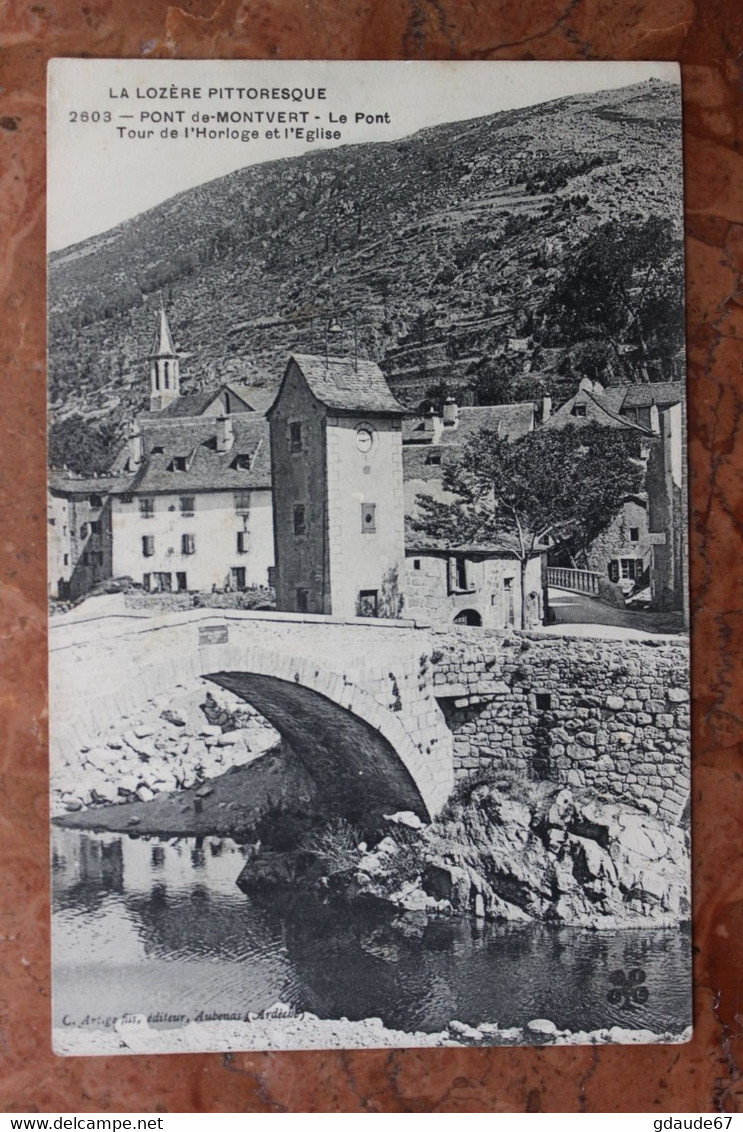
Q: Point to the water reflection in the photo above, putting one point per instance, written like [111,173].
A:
[143,925]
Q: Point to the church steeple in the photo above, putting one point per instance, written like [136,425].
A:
[165,377]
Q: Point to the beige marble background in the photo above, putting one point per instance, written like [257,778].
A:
[707,37]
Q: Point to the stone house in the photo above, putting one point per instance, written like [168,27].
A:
[336,457]
[194,511]
[188,503]
[470,585]
[79,538]
[644,548]
[474,585]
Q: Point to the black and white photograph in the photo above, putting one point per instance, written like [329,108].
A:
[367,555]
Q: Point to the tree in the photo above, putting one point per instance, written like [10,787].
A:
[436,396]
[549,487]
[83,448]
[494,382]
[624,286]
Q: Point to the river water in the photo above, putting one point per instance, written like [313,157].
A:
[156,927]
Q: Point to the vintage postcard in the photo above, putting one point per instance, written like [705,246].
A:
[367,555]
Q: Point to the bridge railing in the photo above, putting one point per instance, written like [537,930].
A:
[567,578]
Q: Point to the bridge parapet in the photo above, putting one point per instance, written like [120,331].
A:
[376,671]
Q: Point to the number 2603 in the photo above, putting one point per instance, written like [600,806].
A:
[90,115]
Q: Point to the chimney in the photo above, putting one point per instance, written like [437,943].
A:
[546,408]
[225,434]
[654,419]
[433,425]
[136,448]
[451,413]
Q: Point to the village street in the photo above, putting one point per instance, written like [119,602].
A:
[580,615]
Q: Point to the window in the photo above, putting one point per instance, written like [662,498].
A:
[181,581]
[85,530]
[96,501]
[243,542]
[242,502]
[634,534]
[579,410]
[300,525]
[95,528]
[147,508]
[416,563]
[509,605]
[368,518]
[186,503]
[368,603]
[148,545]
[631,568]
[242,462]
[188,544]
[180,463]
[303,597]
[66,559]
[237,578]
[613,570]
[459,575]
[434,458]
[147,582]
[544,701]
[295,436]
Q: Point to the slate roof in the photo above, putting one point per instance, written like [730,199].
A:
[260,398]
[206,468]
[661,392]
[256,398]
[417,543]
[65,484]
[597,412]
[187,405]
[163,346]
[344,385]
[513,421]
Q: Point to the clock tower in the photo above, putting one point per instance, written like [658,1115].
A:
[339,524]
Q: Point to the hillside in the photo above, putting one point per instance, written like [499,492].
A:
[449,246]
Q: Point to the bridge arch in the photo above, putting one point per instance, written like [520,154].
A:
[373,757]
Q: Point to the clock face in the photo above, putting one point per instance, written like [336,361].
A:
[364,438]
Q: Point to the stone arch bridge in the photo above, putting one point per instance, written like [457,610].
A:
[387,714]
[354,701]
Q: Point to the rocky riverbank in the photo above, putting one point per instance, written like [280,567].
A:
[514,851]
[174,743]
[279,1028]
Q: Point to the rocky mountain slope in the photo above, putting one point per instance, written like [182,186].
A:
[446,247]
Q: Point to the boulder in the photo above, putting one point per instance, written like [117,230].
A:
[447,882]
[468,1033]
[405,818]
[562,808]
[543,1027]
[105,792]
[172,717]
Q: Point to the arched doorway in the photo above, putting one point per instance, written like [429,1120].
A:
[468,617]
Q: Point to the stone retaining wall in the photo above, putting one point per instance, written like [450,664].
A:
[609,715]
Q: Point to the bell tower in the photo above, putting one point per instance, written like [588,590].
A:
[165,377]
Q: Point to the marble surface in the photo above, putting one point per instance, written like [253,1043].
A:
[703,1076]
